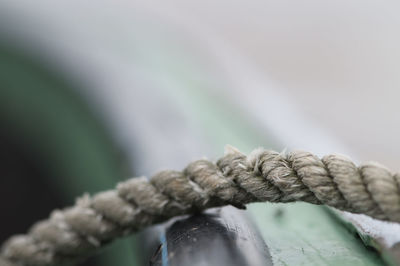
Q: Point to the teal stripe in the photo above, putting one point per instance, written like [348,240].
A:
[164,249]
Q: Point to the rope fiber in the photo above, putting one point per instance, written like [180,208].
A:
[74,233]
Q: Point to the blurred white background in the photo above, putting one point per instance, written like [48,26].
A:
[335,64]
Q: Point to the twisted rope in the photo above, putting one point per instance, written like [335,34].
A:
[71,234]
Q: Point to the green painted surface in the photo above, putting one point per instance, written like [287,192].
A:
[302,234]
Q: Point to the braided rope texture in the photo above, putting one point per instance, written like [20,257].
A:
[74,233]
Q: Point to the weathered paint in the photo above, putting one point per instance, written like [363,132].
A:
[380,235]
[304,234]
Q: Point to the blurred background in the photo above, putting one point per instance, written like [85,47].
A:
[92,92]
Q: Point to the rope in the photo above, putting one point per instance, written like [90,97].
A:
[74,233]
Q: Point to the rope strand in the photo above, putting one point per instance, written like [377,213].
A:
[72,234]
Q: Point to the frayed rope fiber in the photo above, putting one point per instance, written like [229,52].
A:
[76,232]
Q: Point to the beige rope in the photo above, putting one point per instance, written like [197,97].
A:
[72,234]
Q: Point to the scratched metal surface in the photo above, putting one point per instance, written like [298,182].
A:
[221,236]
